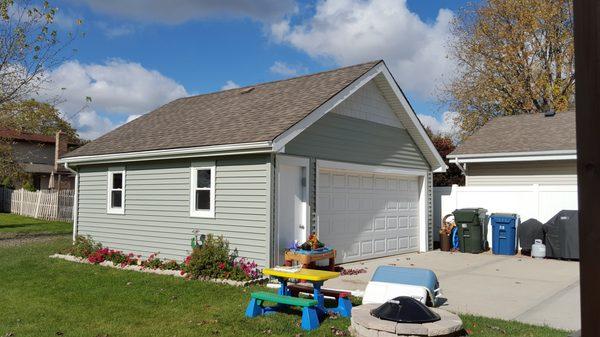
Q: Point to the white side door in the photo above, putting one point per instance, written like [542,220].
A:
[292,202]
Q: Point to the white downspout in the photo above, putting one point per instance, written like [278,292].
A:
[75,201]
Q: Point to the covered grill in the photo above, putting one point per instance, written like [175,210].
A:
[404,309]
[562,235]
[529,231]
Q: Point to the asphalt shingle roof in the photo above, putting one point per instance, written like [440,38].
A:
[255,113]
[522,133]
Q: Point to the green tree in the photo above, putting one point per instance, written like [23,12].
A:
[28,116]
[29,45]
[444,144]
[32,116]
[10,171]
[514,57]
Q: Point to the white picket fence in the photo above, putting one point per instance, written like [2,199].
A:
[43,204]
[528,201]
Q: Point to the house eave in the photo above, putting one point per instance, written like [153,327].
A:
[190,152]
[514,156]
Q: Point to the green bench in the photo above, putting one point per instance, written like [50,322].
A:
[310,319]
[289,300]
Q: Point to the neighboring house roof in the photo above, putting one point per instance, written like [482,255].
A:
[521,134]
[30,137]
[261,117]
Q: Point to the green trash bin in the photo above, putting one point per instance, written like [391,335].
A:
[472,229]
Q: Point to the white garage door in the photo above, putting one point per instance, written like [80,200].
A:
[367,215]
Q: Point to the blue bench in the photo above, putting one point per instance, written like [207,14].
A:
[256,307]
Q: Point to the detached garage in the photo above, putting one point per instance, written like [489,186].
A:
[339,153]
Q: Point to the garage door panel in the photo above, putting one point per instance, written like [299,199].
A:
[366,247]
[403,242]
[391,222]
[379,224]
[339,202]
[365,215]
[353,182]
[324,180]
[367,183]
[339,181]
[379,246]
[324,201]
[392,244]
[414,242]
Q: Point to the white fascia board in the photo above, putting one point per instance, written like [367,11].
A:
[337,165]
[314,116]
[441,166]
[515,156]
[204,151]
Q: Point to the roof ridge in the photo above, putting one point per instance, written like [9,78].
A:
[375,62]
[531,114]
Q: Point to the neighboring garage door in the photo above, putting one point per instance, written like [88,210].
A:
[366,215]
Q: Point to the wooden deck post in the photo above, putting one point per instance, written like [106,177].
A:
[587,68]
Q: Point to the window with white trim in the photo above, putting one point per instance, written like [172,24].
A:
[202,191]
[116,191]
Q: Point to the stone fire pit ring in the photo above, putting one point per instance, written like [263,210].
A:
[365,325]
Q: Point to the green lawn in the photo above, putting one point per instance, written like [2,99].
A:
[48,297]
[12,225]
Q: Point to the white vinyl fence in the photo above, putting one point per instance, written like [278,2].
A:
[528,201]
[46,204]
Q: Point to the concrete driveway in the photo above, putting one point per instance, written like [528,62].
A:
[540,292]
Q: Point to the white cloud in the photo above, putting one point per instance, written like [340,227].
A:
[114,31]
[284,69]
[90,125]
[447,126]
[132,117]
[179,11]
[354,31]
[119,91]
[230,85]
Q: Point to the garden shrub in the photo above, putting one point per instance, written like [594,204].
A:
[28,186]
[213,260]
[209,259]
[171,265]
[153,262]
[83,247]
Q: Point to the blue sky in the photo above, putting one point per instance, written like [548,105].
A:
[137,55]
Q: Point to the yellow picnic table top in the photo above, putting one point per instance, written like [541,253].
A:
[303,274]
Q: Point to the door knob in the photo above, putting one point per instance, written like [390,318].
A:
[301,226]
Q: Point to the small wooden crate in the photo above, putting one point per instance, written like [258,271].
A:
[308,260]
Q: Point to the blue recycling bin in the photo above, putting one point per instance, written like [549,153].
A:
[504,233]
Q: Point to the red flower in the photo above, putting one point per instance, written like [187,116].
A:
[222,265]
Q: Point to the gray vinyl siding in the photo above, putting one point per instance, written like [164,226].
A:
[347,139]
[563,172]
[157,207]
